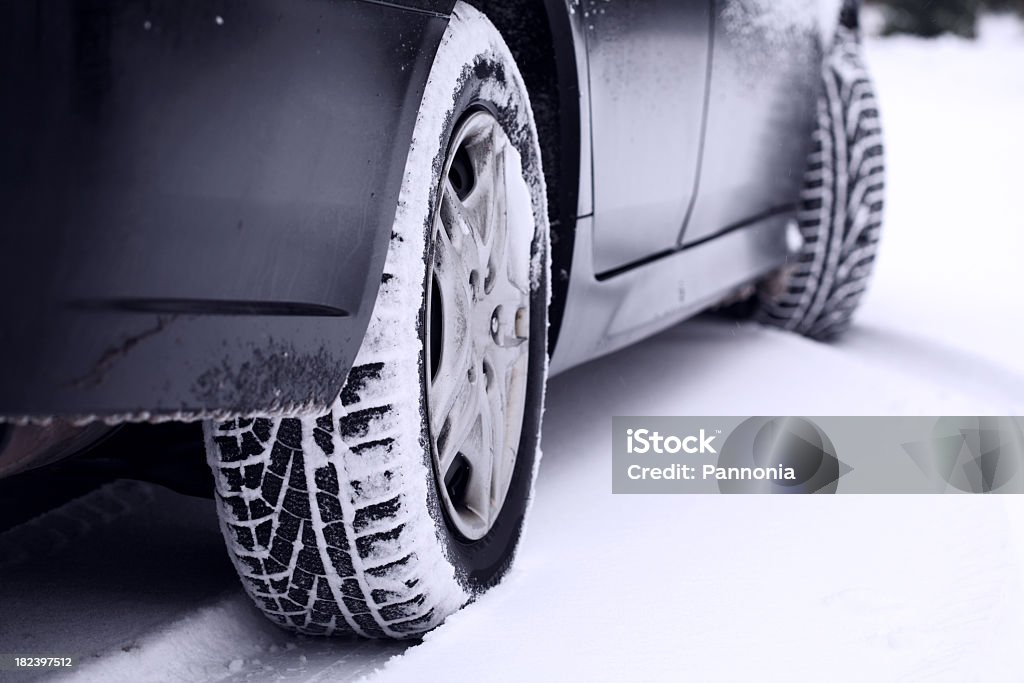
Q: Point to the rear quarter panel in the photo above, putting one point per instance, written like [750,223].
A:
[196,197]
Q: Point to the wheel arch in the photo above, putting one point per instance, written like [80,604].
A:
[540,36]
[849,16]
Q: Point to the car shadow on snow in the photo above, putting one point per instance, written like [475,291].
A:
[121,574]
[939,363]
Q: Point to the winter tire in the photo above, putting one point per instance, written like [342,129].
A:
[388,512]
[840,217]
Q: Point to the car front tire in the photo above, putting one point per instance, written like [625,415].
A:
[840,216]
[388,512]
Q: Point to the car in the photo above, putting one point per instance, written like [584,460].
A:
[354,238]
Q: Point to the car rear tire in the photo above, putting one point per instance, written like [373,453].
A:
[840,217]
[388,512]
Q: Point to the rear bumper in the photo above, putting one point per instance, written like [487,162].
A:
[196,199]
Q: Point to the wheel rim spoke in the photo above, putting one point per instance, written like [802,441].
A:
[486,201]
[479,498]
[456,434]
[456,355]
[460,225]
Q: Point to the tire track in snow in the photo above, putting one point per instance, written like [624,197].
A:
[133,580]
[150,595]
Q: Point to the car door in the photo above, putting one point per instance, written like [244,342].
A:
[648,77]
[766,62]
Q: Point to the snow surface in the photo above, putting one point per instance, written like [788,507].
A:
[946,296]
[679,587]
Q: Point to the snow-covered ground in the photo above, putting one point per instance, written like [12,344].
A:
[946,304]
[677,587]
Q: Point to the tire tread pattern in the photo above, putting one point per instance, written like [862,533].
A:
[841,205]
[314,509]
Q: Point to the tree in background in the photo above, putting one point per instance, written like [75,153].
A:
[934,17]
[1005,6]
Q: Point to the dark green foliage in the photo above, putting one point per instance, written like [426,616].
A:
[1005,6]
[935,17]
[932,17]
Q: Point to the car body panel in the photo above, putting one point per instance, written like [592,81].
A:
[195,209]
[197,199]
[606,315]
[751,171]
[761,113]
[648,77]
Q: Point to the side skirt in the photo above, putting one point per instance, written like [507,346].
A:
[608,314]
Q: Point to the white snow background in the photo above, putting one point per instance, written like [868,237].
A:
[674,588]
